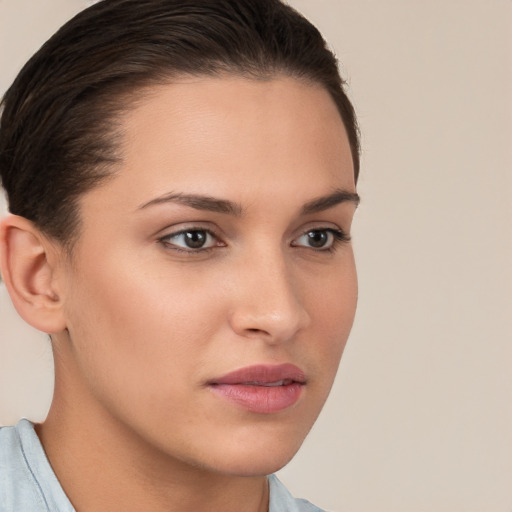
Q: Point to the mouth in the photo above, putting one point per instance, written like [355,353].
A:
[263,389]
[285,382]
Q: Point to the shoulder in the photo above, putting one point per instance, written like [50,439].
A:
[27,482]
[18,490]
[281,500]
[12,457]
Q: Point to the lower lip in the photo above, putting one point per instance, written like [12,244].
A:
[260,399]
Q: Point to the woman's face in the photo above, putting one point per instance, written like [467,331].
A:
[213,286]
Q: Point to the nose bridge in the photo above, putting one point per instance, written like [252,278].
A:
[269,302]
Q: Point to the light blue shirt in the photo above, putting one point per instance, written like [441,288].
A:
[28,483]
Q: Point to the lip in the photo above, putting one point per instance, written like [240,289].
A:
[263,389]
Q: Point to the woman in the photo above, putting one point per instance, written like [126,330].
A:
[181,181]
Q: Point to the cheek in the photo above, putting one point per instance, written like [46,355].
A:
[140,331]
[332,304]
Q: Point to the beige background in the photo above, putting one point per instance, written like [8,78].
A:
[420,418]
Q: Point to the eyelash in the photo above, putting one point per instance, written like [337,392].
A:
[338,237]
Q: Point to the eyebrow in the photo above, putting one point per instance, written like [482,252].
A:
[198,202]
[325,202]
[213,204]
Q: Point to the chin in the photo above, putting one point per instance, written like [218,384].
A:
[258,455]
[252,466]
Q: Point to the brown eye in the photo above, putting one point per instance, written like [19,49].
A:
[191,239]
[195,239]
[320,239]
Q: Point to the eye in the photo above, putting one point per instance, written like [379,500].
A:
[324,239]
[191,240]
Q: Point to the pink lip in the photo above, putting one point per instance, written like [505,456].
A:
[262,388]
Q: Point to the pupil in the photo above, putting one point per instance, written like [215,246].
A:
[317,238]
[195,239]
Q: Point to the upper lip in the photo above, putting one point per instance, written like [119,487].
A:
[263,374]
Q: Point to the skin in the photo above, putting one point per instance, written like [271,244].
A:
[141,323]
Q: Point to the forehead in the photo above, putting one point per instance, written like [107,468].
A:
[232,136]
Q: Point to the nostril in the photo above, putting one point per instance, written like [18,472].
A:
[255,331]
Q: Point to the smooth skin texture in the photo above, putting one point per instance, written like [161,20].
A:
[142,320]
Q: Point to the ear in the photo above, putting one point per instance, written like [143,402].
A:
[29,263]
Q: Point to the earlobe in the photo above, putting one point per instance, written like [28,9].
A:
[28,266]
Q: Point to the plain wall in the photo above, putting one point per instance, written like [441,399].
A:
[420,418]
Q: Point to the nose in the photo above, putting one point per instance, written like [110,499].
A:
[267,300]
